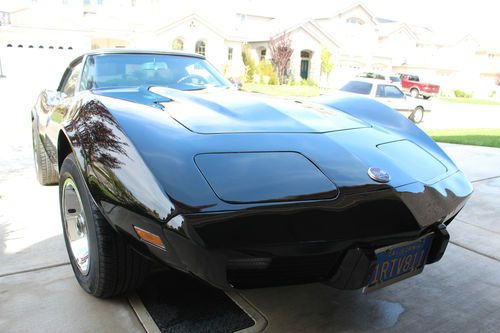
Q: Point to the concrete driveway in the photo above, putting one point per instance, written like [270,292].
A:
[38,291]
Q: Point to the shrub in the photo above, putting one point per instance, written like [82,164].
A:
[308,82]
[266,72]
[461,93]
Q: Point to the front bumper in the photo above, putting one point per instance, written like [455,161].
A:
[289,245]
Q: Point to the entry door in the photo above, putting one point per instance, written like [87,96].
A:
[304,69]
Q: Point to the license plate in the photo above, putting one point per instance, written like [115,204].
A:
[398,262]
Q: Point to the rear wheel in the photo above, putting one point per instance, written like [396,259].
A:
[417,115]
[45,171]
[414,92]
[103,263]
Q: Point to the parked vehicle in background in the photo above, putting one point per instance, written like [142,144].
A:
[412,85]
[391,78]
[395,80]
[388,94]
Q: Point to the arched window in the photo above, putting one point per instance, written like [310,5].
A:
[51,47]
[60,48]
[9,45]
[305,54]
[200,47]
[20,45]
[30,47]
[40,47]
[70,48]
[355,20]
[178,44]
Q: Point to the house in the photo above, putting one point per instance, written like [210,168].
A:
[356,38]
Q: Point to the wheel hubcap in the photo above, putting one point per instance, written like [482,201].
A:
[75,224]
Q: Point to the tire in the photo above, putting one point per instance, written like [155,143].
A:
[45,171]
[108,266]
[417,115]
[414,92]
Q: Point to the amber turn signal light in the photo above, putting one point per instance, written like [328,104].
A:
[149,237]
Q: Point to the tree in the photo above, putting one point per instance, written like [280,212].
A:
[326,62]
[281,50]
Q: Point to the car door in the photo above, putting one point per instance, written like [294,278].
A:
[392,96]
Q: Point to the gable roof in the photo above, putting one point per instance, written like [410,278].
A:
[388,29]
[189,17]
[351,7]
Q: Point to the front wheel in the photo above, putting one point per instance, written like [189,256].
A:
[45,171]
[103,263]
[417,115]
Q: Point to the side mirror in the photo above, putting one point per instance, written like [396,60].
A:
[236,82]
[54,98]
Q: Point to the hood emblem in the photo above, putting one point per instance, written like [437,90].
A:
[379,175]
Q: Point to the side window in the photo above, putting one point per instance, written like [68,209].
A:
[380,91]
[88,73]
[69,85]
[393,92]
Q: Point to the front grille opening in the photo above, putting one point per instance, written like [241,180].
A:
[366,220]
[285,271]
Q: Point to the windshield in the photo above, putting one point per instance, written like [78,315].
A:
[357,87]
[127,70]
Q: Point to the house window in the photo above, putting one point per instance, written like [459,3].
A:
[200,47]
[178,44]
[230,53]
[355,20]
[242,17]
[262,55]
[4,18]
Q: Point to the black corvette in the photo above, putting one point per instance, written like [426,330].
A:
[160,159]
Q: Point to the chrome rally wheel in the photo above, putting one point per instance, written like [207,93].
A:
[75,224]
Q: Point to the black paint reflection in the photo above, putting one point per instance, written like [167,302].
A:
[96,129]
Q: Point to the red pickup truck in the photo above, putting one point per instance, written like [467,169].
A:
[411,84]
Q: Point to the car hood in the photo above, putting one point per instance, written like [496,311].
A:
[219,111]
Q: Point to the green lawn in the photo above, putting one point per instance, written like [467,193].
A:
[284,90]
[469,100]
[489,137]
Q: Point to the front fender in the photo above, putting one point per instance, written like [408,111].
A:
[113,170]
